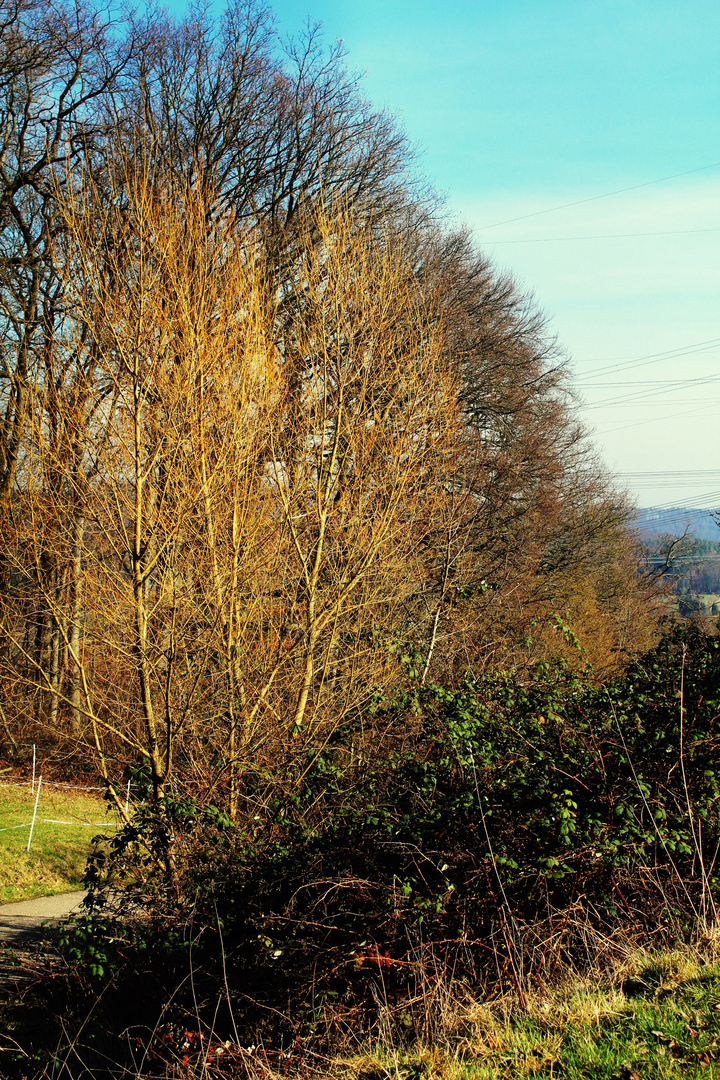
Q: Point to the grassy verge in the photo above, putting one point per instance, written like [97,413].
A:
[659,1018]
[56,861]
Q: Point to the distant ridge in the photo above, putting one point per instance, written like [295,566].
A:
[675,520]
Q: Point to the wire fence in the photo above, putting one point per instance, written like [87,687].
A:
[35,781]
[30,825]
[51,783]
[35,784]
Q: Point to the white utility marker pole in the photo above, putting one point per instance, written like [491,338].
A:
[32,824]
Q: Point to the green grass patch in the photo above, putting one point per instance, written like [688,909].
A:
[660,1019]
[56,861]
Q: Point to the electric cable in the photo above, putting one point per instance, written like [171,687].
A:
[600,236]
[595,198]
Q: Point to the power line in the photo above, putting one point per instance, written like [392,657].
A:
[683,508]
[656,419]
[601,385]
[683,560]
[669,478]
[628,359]
[594,198]
[651,393]
[600,236]
[655,358]
[660,485]
[672,504]
[671,472]
[639,403]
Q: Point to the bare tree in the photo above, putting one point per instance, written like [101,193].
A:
[272,126]
[210,370]
[534,510]
[252,475]
[56,65]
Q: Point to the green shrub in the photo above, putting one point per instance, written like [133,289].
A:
[427,855]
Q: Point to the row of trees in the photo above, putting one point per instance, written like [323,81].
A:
[266,426]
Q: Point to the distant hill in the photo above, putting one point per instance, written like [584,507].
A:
[676,520]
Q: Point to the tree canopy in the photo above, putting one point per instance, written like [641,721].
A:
[273,437]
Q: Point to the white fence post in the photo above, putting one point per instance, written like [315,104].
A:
[32,824]
[32,787]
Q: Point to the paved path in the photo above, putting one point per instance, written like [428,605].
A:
[25,924]
[43,907]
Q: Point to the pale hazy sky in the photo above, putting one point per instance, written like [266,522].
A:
[521,106]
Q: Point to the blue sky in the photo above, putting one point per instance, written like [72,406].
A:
[520,106]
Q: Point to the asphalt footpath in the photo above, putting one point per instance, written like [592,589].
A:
[26,925]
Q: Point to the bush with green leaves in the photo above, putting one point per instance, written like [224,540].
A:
[424,853]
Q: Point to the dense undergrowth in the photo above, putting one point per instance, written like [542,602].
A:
[488,839]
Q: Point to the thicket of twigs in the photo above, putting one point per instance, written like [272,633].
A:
[267,426]
[302,537]
[494,838]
